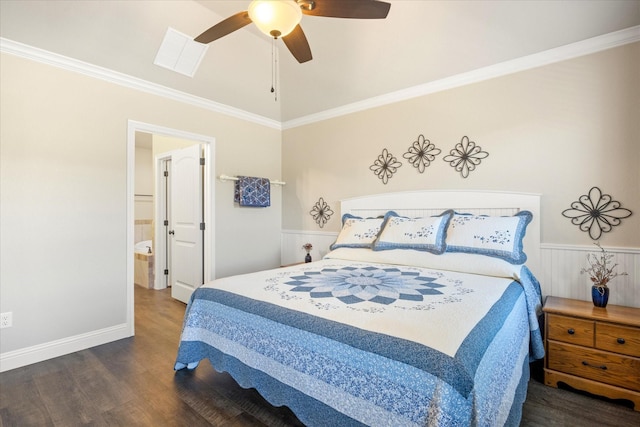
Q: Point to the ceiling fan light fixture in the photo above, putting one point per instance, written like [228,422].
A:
[275,18]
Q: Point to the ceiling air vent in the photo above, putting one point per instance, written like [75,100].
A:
[180,53]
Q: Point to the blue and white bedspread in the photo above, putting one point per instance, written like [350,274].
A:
[343,342]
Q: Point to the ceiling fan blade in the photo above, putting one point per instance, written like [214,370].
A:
[298,45]
[360,9]
[225,27]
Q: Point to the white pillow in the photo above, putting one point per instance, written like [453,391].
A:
[494,236]
[422,234]
[357,232]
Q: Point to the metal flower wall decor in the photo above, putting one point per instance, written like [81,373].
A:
[321,212]
[465,156]
[421,153]
[385,166]
[596,213]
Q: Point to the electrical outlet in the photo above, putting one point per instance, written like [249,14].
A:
[6,320]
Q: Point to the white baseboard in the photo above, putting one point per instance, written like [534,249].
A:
[38,353]
[560,277]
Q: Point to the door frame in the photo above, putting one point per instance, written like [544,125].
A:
[161,249]
[208,143]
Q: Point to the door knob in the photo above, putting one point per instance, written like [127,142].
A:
[172,232]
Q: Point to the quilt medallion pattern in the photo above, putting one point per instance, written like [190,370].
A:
[297,341]
[353,285]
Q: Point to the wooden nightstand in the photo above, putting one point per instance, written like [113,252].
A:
[593,349]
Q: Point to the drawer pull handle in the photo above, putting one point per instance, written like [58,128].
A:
[571,331]
[620,340]
[603,367]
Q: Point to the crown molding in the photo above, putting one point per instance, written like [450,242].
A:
[573,50]
[60,61]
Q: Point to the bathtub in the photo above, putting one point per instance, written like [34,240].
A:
[144,247]
[143,264]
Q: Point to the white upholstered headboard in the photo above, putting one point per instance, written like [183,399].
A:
[433,202]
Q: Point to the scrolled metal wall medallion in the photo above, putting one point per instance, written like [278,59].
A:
[596,213]
[421,153]
[465,156]
[385,166]
[321,212]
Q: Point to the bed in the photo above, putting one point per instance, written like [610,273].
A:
[424,312]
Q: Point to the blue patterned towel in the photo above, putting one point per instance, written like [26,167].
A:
[252,191]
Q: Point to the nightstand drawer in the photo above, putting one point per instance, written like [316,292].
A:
[622,371]
[570,329]
[621,339]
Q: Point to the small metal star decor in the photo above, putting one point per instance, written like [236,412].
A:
[465,156]
[421,153]
[596,213]
[321,212]
[385,166]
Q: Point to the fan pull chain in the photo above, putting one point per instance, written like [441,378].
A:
[274,69]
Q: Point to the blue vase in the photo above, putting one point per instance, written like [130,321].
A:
[600,295]
[307,258]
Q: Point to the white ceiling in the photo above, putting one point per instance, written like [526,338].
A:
[354,60]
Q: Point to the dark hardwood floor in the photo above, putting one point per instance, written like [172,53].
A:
[131,382]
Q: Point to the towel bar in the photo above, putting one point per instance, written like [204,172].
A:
[235,178]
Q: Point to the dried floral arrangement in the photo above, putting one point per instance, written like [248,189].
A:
[601,268]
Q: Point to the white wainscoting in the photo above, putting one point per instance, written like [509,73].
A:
[560,273]
[291,251]
[561,276]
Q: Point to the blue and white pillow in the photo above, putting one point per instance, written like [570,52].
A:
[494,236]
[357,232]
[422,234]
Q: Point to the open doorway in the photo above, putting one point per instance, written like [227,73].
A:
[150,208]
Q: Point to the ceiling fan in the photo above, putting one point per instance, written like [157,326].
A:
[281,19]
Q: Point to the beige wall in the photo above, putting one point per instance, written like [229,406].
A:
[556,130]
[162,144]
[144,180]
[63,198]
[143,185]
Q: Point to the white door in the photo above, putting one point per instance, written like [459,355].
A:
[186,222]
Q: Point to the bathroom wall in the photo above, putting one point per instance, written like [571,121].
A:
[144,177]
